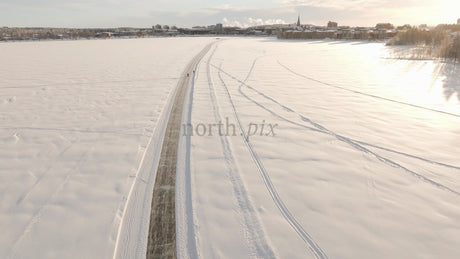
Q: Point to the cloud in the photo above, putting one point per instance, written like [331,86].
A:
[229,7]
[229,15]
[340,4]
[43,6]
[242,16]
[248,22]
[363,5]
[142,13]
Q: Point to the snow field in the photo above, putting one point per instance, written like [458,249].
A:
[360,166]
[76,120]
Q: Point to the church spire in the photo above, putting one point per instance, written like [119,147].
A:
[298,21]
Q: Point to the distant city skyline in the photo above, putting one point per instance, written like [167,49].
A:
[145,13]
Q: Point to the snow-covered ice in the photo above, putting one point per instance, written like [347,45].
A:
[362,161]
[76,118]
[363,164]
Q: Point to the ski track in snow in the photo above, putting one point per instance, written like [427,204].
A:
[366,94]
[118,132]
[252,228]
[87,83]
[358,145]
[313,246]
[190,250]
[320,128]
[186,222]
[121,248]
[37,215]
[42,176]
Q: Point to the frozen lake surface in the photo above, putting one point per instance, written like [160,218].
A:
[355,154]
[76,119]
[363,164]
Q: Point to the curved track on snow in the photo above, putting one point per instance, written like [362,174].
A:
[366,94]
[252,227]
[358,145]
[314,247]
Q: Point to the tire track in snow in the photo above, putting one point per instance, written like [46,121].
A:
[131,235]
[355,144]
[254,233]
[313,246]
[366,94]
[162,229]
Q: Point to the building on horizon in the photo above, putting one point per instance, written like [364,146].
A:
[384,26]
[332,24]
[219,29]
[458,21]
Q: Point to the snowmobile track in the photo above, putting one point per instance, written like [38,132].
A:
[312,245]
[252,227]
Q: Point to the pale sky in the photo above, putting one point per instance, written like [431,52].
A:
[145,13]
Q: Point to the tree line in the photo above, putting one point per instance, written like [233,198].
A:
[443,41]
